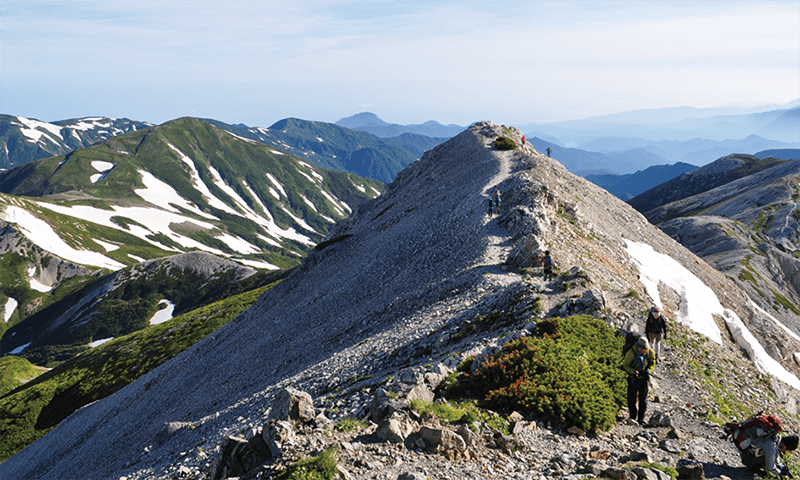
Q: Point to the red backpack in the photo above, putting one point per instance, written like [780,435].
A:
[742,433]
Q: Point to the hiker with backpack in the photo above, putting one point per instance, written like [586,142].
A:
[760,443]
[639,362]
[656,328]
[547,264]
[491,207]
[497,200]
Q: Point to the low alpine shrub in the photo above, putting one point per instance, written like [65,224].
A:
[504,143]
[569,371]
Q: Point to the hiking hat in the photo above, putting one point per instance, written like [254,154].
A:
[642,342]
[790,442]
[656,311]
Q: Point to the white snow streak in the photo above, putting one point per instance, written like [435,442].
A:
[40,233]
[11,305]
[698,305]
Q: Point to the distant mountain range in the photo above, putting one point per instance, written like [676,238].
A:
[776,123]
[624,155]
[339,148]
[27,139]
[369,122]
[631,185]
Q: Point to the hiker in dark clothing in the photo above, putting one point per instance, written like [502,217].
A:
[491,207]
[763,454]
[548,151]
[547,264]
[639,363]
[656,329]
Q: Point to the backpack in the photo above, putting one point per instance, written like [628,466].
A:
[742,433]
[630,340]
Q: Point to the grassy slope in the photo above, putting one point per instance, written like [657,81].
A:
[15,371]
[32,410]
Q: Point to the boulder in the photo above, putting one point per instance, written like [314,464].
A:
[240,456]
[275,433]
[292,404]
[620,474]
[396,427]
[442,439]
[690,470]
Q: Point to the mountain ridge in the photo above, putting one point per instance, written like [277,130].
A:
[412,279]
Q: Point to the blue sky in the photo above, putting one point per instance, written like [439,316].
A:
[512,62]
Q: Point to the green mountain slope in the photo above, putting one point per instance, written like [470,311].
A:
[125,301]
[30,411]
[219,192]
[15,371]
[338,148]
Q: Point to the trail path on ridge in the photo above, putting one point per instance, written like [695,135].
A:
[499,240]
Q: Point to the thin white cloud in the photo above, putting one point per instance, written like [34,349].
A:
[411,61]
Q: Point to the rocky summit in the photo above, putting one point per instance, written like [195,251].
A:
[395,299]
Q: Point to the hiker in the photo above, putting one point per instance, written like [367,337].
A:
[548,151]
[497,200]
[491,207]
[639,363]
[760,444]
[656,328]
[547,264]
[763,454]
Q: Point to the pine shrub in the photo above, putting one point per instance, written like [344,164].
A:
[568,371]
[504,143]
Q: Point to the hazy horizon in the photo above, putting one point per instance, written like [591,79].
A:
[256,62]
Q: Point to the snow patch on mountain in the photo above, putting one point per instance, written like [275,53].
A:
[110,247]
[163,314]
[40,233]
[762,360]
[36,284]
[8,310]
[34,130]
[698,301]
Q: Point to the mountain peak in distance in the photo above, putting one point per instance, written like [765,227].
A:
[363,119]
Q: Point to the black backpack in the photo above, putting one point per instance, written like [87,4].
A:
[630,340]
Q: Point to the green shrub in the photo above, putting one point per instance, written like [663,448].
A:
[504,143]
[569,372]
[321,467]
[349,424]
[465,411]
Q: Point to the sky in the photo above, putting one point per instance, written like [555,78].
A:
[511,62]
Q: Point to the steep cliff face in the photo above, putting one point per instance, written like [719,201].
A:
[398,285]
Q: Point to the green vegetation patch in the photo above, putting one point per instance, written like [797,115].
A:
[569,372]
[34,409]
[505,143]
[464,411]
[320,467]
[15,371]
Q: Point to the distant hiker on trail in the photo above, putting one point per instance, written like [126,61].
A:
[547,264]
[497,200]
[639,363]
[656,329]
[760,444]
[491,207]
[548,151]
[523,140]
